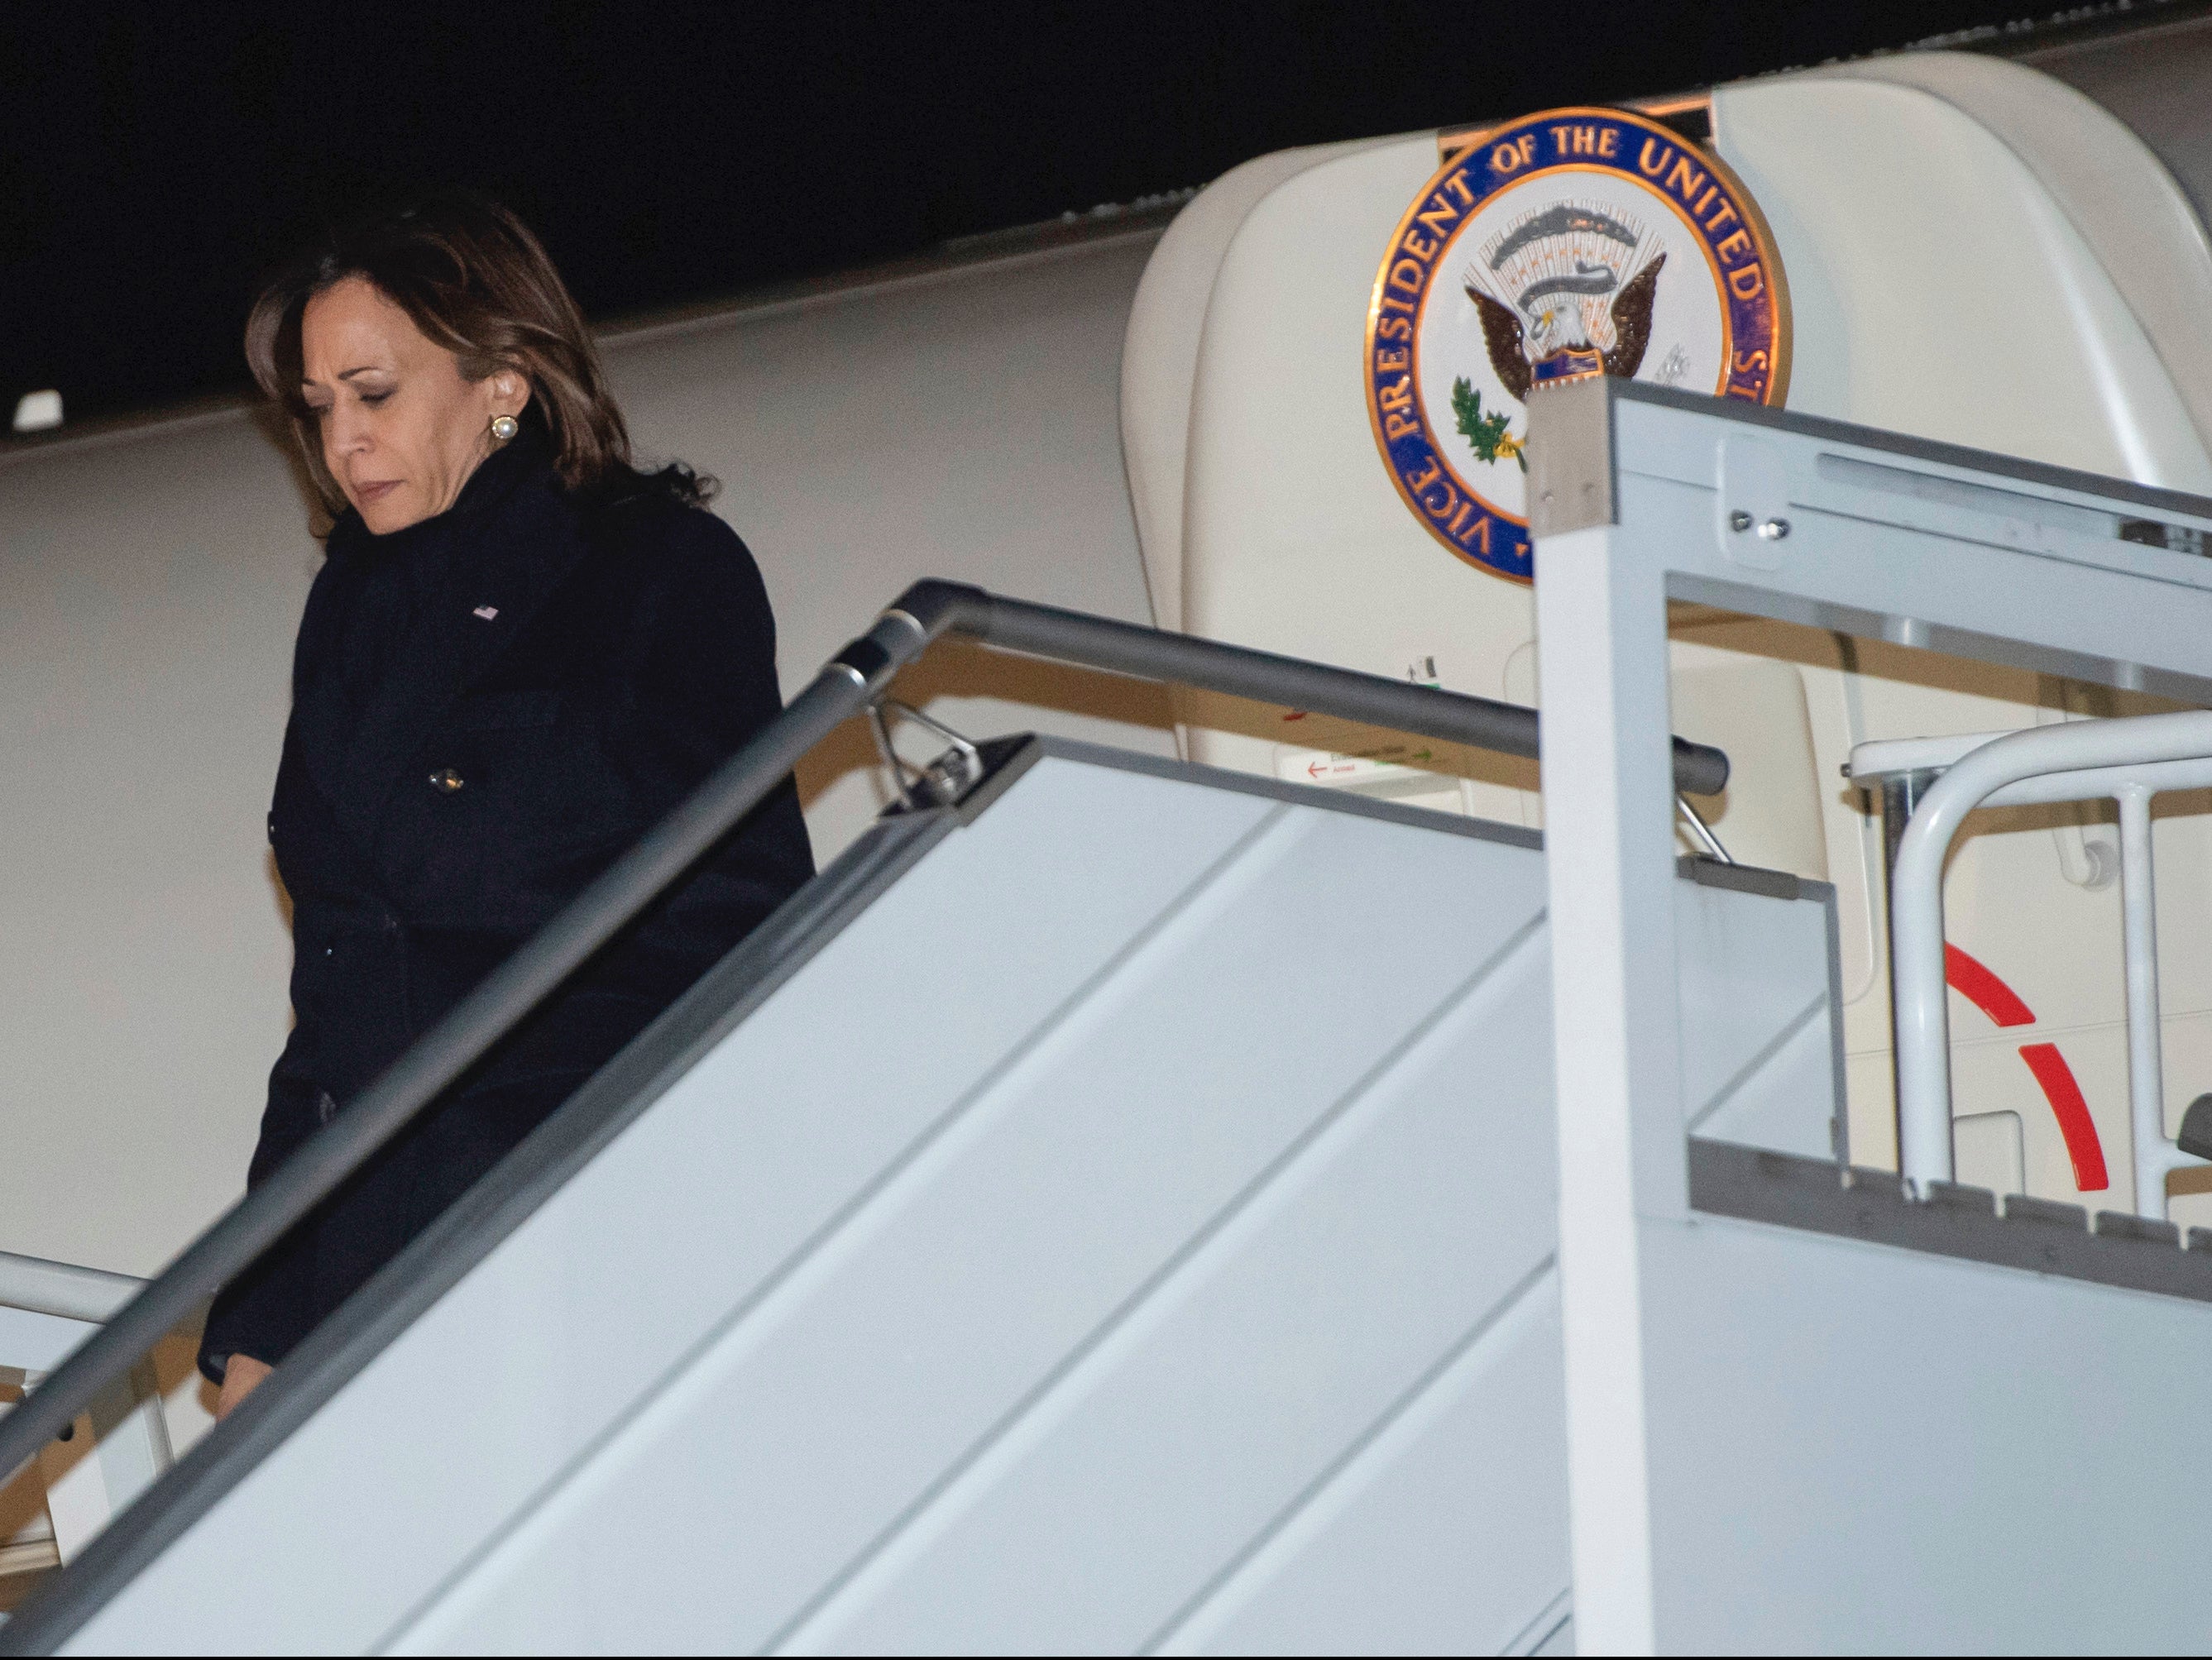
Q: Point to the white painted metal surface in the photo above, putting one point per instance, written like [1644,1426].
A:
[1990,1453]
[1171,1265]
[1720,1376]
[1622,1123]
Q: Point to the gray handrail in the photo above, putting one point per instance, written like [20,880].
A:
[852,679]
[1152,654]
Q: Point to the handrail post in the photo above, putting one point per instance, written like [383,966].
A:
[1900,793]
[2145,1066]
[1920,1014]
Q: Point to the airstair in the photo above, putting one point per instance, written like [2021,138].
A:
[1121,1205]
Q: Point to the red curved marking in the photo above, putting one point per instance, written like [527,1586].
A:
[1978,986]
[1973,981]
[2075,1123]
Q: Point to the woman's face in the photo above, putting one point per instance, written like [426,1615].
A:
[402,428]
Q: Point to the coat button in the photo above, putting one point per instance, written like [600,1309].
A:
[445,780]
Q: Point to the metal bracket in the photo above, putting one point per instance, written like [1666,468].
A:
[943,780]
[1702,833]
[1571,457]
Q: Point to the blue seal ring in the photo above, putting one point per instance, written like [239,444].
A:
[1703,195]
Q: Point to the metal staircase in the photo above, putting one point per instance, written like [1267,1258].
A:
[1113,1212]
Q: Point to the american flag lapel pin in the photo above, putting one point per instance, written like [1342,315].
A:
[487,613]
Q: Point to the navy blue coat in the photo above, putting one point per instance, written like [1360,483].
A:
[489,708]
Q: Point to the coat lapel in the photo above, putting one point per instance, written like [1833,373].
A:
[508,563]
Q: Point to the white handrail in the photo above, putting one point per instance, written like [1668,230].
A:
[46,1310]
[62,1289]
[2127,761]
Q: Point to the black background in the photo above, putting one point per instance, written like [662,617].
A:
[153,162]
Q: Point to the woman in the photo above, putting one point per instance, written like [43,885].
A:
[522,653]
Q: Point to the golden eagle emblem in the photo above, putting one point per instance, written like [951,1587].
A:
[1583,241]
[1564,292]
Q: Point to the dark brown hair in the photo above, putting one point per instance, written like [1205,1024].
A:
[478,283]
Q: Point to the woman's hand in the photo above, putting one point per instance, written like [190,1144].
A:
[240,1379]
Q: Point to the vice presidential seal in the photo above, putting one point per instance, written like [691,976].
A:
[1576,242]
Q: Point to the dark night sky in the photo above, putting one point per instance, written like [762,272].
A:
[153,161]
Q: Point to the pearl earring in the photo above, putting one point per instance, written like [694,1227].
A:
[504,426]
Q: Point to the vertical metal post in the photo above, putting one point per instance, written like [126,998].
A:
[117,1449]
[1901,794]
[2139,934]
[1616,1011]
[1920,1014]
[1608,844]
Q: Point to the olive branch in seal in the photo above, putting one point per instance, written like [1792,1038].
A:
[1486,433]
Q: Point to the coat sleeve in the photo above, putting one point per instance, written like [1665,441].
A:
[267,1309]
[703,646]
[704,681]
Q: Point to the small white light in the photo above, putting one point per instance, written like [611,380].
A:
[38,412]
